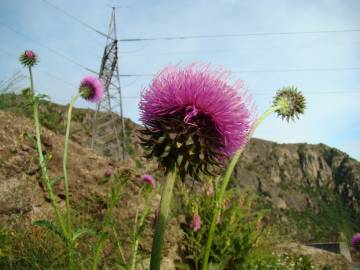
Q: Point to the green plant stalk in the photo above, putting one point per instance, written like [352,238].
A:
[66,180]
[158,240]
[43,167]
[135,243]
[107,222]
[227,176]
[118,245]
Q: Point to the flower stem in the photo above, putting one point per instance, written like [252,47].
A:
[66,180]
[138,225]
[115,194]
[228,173]
[43,167]
[135,242]
[161,222]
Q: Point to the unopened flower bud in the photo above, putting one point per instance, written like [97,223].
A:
[28,58]
[290,103]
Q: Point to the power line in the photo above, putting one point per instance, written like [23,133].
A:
[297,70]
[76,19]
[69,59]
[169,38]
[136,50]
[254,94]
[263,71]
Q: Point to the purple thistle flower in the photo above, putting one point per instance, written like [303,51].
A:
[91,88]
[355,242]
[108,172]
[194,118]
[149,180]
[28,58]
[30,54]
[196,225]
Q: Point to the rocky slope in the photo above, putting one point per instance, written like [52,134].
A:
[313,191]
[23,196]
[315,187]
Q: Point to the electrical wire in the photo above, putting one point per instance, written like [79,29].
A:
[254,94]
[169,38]
[265,71]
[76,19]
[69,59]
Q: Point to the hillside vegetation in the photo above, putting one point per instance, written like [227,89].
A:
[312,192]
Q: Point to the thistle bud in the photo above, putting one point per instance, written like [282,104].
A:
[148,179]
[196,222]
[355,242]
[291,103]
[28,58]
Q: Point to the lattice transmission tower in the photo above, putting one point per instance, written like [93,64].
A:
[108,133]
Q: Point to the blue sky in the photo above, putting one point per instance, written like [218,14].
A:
[332,117]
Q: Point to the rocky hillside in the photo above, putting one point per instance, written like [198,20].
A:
[313,191]
[23,198]
[314,187]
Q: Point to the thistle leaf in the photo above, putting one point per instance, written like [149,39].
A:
[82,232]
[50,226]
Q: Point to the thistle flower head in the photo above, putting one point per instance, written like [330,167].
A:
[193,118]
[196,222]
[355,242]
[28,58]
[291,103]
[149,180]
[91,88]
[108,172]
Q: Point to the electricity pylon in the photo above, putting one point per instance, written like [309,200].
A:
[108,134]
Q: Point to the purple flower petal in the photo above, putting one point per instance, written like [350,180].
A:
[200,90]
[95,87]
[196,222]
[356,242]
[149,180]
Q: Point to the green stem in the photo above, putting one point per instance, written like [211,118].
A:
[228,173]
[42,160]
[135,243]
[161,222]
[137,226]
[107,222]
[123,261]
[66,181]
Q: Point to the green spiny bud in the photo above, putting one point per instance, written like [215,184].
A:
[28,58]
[290,103]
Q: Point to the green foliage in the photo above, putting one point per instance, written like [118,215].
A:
[327,223]
[280,262]
[31,248]
[51,227]
[238,233]
[51,116]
